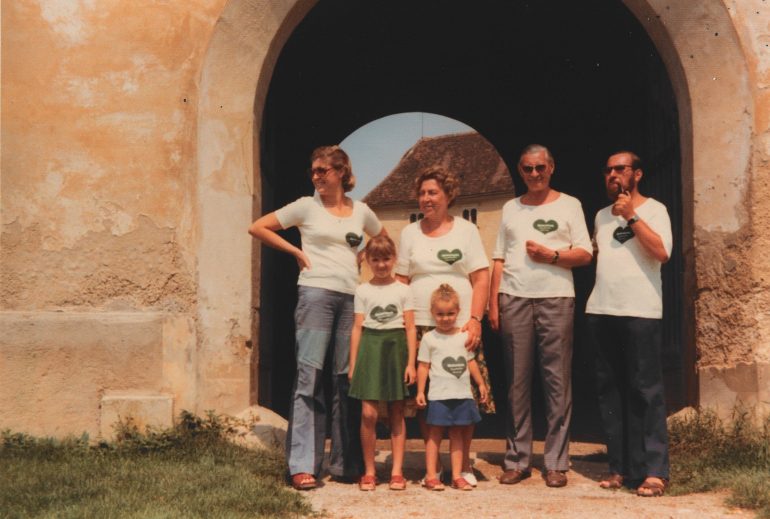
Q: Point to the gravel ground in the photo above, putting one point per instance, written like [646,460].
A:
[581,498]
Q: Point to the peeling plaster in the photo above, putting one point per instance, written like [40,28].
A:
[140,269]
[726,303]
[66,18]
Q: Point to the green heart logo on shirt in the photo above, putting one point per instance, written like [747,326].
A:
[353,239]
[623,234]
[449,256]
[545,227]
[454,366]
[383,315]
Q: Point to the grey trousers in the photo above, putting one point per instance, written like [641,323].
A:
[323,319]
[537,331]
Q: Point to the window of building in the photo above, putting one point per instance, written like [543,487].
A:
[415,216]
[470,215]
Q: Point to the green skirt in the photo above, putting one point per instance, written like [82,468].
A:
[380,366]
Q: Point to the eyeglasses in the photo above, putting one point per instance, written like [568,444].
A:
[540,168]
[320,171]
[619,168]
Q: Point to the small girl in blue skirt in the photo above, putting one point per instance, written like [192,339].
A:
[383,346]
[450,366]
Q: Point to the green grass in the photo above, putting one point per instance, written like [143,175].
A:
[707,454]
[190,471]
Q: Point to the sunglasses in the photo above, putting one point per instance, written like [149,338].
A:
[620,168]
[540,168]
[320,171]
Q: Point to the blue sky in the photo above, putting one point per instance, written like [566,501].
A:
[376,147]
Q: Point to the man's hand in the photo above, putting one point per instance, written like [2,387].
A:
[539,253]
[420,400]
[493,314]
[623,206]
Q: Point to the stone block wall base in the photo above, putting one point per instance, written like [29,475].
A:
[744,386]
[142,408]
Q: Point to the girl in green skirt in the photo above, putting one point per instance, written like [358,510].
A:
[383,347]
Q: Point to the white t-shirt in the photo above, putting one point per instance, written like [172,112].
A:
[449,375]
[428,262]
[628,279]
[331,242]
[557,225]
[383,305]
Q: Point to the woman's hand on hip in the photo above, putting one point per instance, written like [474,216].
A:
[302,260]
[473,327]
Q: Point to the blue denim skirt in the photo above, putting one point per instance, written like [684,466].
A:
[456,411]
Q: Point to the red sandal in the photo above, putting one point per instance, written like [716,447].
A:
[433,484]
[461,484]
[397,482]
[367,483]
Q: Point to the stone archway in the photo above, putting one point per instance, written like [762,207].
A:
[706,65]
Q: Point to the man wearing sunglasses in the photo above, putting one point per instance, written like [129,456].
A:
[633,238]
[532,303]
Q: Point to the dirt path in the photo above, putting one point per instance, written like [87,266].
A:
[581,498]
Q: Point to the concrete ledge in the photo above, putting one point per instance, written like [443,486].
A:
[143,409]
[745,385]
[57,365]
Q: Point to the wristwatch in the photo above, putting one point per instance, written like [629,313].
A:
[633,220]
[555,257]
[476,317]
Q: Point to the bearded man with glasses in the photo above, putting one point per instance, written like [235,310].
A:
[532,303]
[632,237]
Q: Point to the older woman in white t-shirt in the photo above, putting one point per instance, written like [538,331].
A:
[331,226]
[440,248]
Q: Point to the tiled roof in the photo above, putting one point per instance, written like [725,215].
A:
[468,155]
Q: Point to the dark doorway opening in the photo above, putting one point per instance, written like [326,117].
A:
[582,78]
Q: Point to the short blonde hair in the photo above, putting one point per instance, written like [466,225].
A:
[339,160]
[444,292]
[446,181]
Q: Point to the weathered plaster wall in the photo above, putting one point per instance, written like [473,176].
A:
[99,114]
[752,22]
[98,258]
[130,172]
[142,268]
[717,55]
[234,80]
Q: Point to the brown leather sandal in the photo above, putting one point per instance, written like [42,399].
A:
[303,481]
[652,488]
[612,482]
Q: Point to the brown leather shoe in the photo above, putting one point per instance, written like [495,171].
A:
[555,479]
[511,477]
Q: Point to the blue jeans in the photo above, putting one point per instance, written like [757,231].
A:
[323,318]
[629,383]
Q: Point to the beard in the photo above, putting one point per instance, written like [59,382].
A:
[615,188]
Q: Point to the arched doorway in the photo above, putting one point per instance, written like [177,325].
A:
[710,76]
[583,79]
